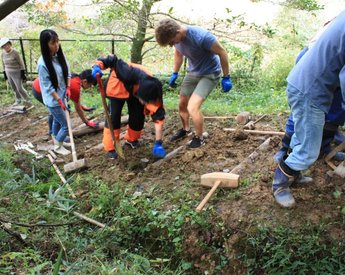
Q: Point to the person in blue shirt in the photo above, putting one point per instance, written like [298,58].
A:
[54,77]
[207,60]
[333,119]
[312,84]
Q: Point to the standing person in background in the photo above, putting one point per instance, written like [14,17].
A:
[54,78]
[312,84]
[14,71]
[206,59]
[83,80]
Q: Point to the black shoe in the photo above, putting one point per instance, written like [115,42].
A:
[196,142]
[133,144]
[112,154]
[179,134]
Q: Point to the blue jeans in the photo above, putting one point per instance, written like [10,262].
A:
[308,123]
[60,127]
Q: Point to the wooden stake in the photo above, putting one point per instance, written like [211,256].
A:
[83,217]
[337,149]
[256,132]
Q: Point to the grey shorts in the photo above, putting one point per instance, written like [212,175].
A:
[200,85]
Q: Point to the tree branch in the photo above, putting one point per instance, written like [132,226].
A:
[37,224]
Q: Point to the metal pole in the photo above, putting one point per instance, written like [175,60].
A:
[23,53]
[31,64]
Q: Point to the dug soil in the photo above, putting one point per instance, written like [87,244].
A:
[223,151]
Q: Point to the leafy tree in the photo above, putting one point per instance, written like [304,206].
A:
[308,5]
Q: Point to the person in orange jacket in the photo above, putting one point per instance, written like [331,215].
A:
[143,93]
[83,80]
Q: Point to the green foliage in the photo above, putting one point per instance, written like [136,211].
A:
[279,68]
[47,14]
[307,5]
[8,172]
[58,263]
[27,261]
[282,250]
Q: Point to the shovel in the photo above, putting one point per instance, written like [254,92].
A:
[117,144]
[215,180]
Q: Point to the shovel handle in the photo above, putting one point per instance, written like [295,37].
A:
[117,145]
[63,180]
[70,132]
[208,196]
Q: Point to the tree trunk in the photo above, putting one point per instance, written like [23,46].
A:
[8,6]
[139,39]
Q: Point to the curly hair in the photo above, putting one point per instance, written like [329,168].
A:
[166,31]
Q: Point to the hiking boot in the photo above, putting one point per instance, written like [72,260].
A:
[179,134]
[112,154]
[196,142]
[133,144]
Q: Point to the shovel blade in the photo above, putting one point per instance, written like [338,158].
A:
[119,150]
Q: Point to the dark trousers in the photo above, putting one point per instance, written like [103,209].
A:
[135,112]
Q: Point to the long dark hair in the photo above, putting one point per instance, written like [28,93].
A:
[45,37]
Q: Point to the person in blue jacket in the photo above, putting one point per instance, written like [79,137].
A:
[333,119]
[312,84]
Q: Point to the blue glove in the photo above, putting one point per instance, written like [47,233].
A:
[226,83]
[96,70]
[172,80]
[158,151]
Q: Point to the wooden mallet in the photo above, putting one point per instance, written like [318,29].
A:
[215,180]
[76,164]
